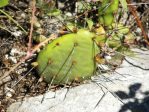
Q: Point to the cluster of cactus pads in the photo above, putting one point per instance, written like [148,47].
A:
[69,58]
[72,57]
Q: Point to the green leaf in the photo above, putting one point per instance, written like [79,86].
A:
[124,5]
[3,3]
[54,12]
[90,23]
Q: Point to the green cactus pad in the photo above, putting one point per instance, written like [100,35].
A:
[68,58]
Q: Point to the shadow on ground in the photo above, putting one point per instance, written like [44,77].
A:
[134,104]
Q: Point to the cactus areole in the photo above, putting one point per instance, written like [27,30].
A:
[68,58]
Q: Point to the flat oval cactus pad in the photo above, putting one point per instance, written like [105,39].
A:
[68,58]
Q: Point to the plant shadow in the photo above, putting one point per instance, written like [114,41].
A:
[134,104]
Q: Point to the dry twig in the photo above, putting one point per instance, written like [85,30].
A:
[30,51]
[139,23]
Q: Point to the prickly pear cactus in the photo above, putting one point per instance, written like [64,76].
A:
[68,58]
[107,10]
